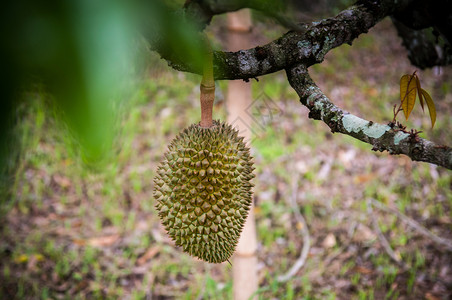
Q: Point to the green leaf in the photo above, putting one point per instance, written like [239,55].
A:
[430,105]
[407,93]
[421,98]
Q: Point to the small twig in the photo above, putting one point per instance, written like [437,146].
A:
[384,242]
[207,86]
[304,231]
[395,113]
[415,225]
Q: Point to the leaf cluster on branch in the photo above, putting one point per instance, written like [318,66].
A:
[307,44]
[410,86]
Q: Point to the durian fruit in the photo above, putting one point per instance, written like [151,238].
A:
[203,190]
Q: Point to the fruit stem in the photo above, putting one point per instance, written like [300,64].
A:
[207,87]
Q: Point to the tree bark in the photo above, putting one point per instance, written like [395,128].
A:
[425,50]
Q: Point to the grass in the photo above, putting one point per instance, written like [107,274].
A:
[76,233]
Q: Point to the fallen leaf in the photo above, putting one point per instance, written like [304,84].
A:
[62,181]
[372,92]
[364,234]
[23,258]
[76,224]
[34,260]
[103,241]
[444,220]
[363,178]
[153,251]
[347,157]
[430,296]
[67,162]
[329,241]
[79,242]
[38,257]
[301,167]
[299,226]
[362,270]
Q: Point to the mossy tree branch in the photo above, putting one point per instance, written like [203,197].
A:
[307,46]
[382,137]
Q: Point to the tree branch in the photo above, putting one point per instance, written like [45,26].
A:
[382,137]
[395,256]
[443,242]
[202,11]
[425,50]
[307,46]
[301,222]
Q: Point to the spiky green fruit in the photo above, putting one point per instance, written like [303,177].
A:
[203,190]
